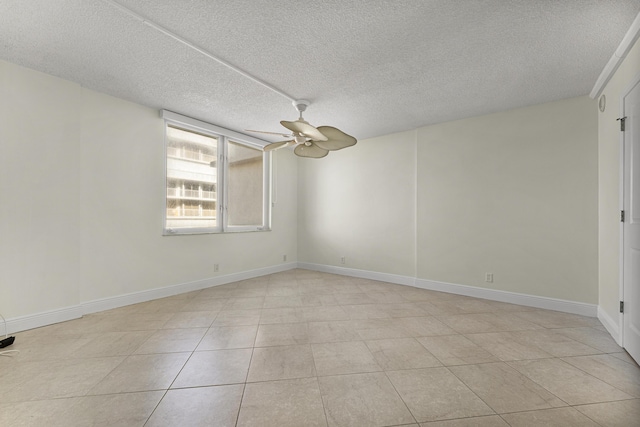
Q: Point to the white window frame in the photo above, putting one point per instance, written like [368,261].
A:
[223,136]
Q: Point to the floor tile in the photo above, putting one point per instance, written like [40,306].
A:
[600,340]
[465,305]
[354,299]
[282,334]
[362,400]
[504,389]
[567,382]
[340,330]
[404,309]
[624,356]
[505,306]
[557,345]
[456,350]
[557,319]
[487,322]
[224,337]
[90,324]
[201,406]
[436,394]
[282,301]
[401,353]
[372,287]
[238,318]
[366,311]
[611,370]
[280,315]
[215,292]
[560,417]
[323,313]
[52,347]
[219,367]
[35,413]
[281,291]
[142,373]
[172,341]
[317,300]
[248,292]
[141,321]
[507,346]
[423,326]
[436,308]
[205,304]
[623,413]
[413,294]
[387,297]
[486,421]
[246,303]
[342,286]
[112,344]
[122,410]
[278,363]
[191,319]
[377,329]
[343,358]
[287,403]
[55,379]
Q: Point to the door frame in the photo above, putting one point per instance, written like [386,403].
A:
[626,91]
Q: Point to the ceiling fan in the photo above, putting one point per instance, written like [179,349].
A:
[310,141]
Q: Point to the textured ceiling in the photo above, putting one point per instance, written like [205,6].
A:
[369,67]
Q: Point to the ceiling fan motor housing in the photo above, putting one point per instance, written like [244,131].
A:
[301,104]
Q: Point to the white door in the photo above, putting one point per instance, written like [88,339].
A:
[631,226]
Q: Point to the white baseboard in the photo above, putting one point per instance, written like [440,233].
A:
[610,325]
[363,274]
[38,320]
[168,291]
[546,303]
[574,307]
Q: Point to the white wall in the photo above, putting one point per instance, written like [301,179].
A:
[609,168]
[82,201]
[39,191]
[513,193]
[359,203]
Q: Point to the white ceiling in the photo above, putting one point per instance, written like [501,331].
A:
[370,67]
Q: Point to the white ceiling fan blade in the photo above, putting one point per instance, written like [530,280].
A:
[337,139]
[305,129]
[312,151]
[277,145]
[286,135]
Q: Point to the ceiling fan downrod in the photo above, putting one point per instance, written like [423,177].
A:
[301,105]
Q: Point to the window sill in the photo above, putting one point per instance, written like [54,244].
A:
[195,232]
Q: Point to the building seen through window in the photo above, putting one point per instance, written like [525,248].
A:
[192,177]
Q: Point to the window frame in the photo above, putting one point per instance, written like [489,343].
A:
[222,169]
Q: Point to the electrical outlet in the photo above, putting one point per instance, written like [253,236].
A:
[343,260]
[216,268]
[488,277]
[284,258]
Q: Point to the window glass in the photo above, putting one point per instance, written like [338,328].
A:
[245,185]
[191,179]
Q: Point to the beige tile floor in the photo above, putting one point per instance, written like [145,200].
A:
[303,348]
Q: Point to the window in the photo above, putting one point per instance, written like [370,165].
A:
[217,180]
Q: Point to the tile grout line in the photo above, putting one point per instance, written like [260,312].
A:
[400,397]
